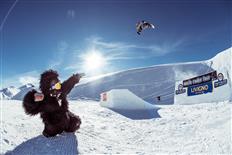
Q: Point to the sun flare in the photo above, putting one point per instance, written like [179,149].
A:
[94,62]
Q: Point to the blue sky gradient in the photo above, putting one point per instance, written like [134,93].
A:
[39,34]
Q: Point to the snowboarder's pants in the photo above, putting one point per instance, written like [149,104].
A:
[70,123]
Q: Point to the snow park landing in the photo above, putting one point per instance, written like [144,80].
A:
[182,108]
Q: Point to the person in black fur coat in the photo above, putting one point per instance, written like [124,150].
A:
[52,104]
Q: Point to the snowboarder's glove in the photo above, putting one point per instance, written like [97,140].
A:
[78,76]
[38,97]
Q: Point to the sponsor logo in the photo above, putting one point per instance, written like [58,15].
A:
[200,79]
[200,89]
[180,90]
[221,81]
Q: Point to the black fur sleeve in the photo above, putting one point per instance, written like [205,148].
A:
[30,106]
[69,84]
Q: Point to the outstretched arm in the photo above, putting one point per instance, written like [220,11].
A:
[30,106]
[69,84]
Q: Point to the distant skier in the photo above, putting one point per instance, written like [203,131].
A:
[52,104]
[158,98]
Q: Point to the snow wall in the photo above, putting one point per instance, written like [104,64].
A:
[123,99]
[211,87]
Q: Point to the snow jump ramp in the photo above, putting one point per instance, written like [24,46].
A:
[63,144]
[128,104]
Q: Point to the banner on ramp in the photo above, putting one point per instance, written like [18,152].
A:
[200,89]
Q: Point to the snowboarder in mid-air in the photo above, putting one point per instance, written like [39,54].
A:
[52,104]
[142,25]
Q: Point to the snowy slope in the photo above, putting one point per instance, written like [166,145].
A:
[41,145]
[222,64]
[181,129]
[147,83]
[151,82]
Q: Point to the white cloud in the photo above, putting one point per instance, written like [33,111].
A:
[122,51]
[117,51]
[28,79]
[21,79]
[58,57]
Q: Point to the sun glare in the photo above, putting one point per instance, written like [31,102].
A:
[94,62]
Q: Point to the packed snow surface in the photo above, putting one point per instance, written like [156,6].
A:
[200,128]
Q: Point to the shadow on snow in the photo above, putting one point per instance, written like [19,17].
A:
[138,114]
[63,144]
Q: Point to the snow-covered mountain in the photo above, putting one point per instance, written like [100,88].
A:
[23,90]
[3,96]
[15,93]
[9,92]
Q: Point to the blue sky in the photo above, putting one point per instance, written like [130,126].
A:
[39,34]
